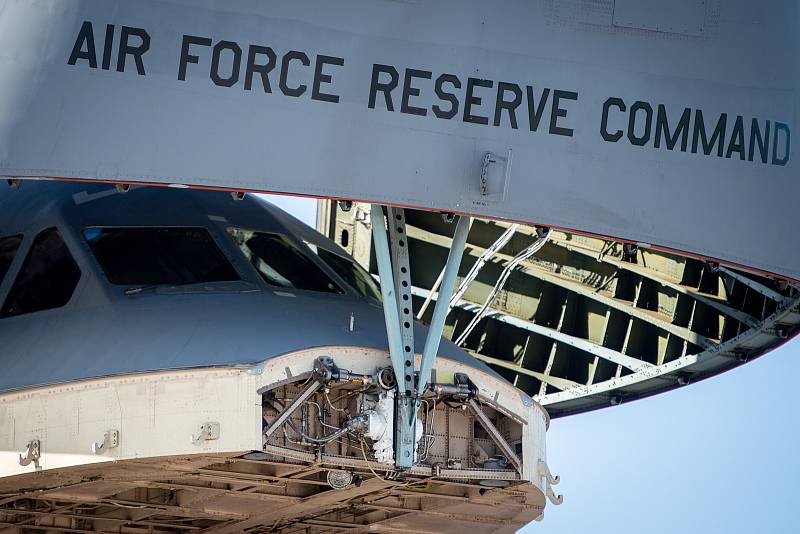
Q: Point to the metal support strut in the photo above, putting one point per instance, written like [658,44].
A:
[397,310]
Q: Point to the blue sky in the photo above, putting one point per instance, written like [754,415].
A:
[720,456]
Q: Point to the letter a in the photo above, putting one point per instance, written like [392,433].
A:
[86,35]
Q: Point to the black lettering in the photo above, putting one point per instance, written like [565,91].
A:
[763,142]
[471,100]
[85,36]
[608,136]
[287,59]
[186,57]
[780,127]
[508,105]
[557,111]
[645,137]
[125,49]
[385,88]
[535,112]
[446,97]
[717,137]
[409,91]
[320,78]
[682,130]
[263,69]
[736,142]
[107,46]
[231,80]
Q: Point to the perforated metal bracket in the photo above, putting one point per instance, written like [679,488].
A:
[407,404]
[398,316]
[33,451]
[208,431]
[402,281]
[110,441]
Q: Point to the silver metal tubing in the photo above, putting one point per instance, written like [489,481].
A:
[293,406]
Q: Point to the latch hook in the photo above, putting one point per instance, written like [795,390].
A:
[110,441]
[33,452]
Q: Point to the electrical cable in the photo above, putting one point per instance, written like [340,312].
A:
[376,475]
[509,268]
[325,393]
[481,261]
[355,421]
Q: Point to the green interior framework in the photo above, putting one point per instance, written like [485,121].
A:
[585,322]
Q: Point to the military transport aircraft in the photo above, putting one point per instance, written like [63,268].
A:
[182,360]
[592,199]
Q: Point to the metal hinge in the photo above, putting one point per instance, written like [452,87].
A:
[110,441]
[208,431]
[33,452]
[489,183]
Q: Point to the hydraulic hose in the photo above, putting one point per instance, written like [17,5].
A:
[354,423]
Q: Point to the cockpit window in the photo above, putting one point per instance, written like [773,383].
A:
[47,278]
[8,249]
[159,256]
[281,263]
[350,271]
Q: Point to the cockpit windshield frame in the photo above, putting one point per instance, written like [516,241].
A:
[220,268]
[317,276]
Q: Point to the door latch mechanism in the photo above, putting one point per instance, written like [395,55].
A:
[544,471]
[33,452]
[494,184]
[110,441]
[208,431]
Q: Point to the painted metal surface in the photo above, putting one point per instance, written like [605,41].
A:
[103,332]
[541,111]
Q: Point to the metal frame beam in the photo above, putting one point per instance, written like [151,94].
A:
[709,300]
[405,404]
[752,284]
[495,434]
[442,306]
[561,383]
[577,342]
[396,292]
[293,406]
[388,294]
[536,271]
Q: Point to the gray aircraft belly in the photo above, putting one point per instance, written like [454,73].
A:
[71,110]
[172,331]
